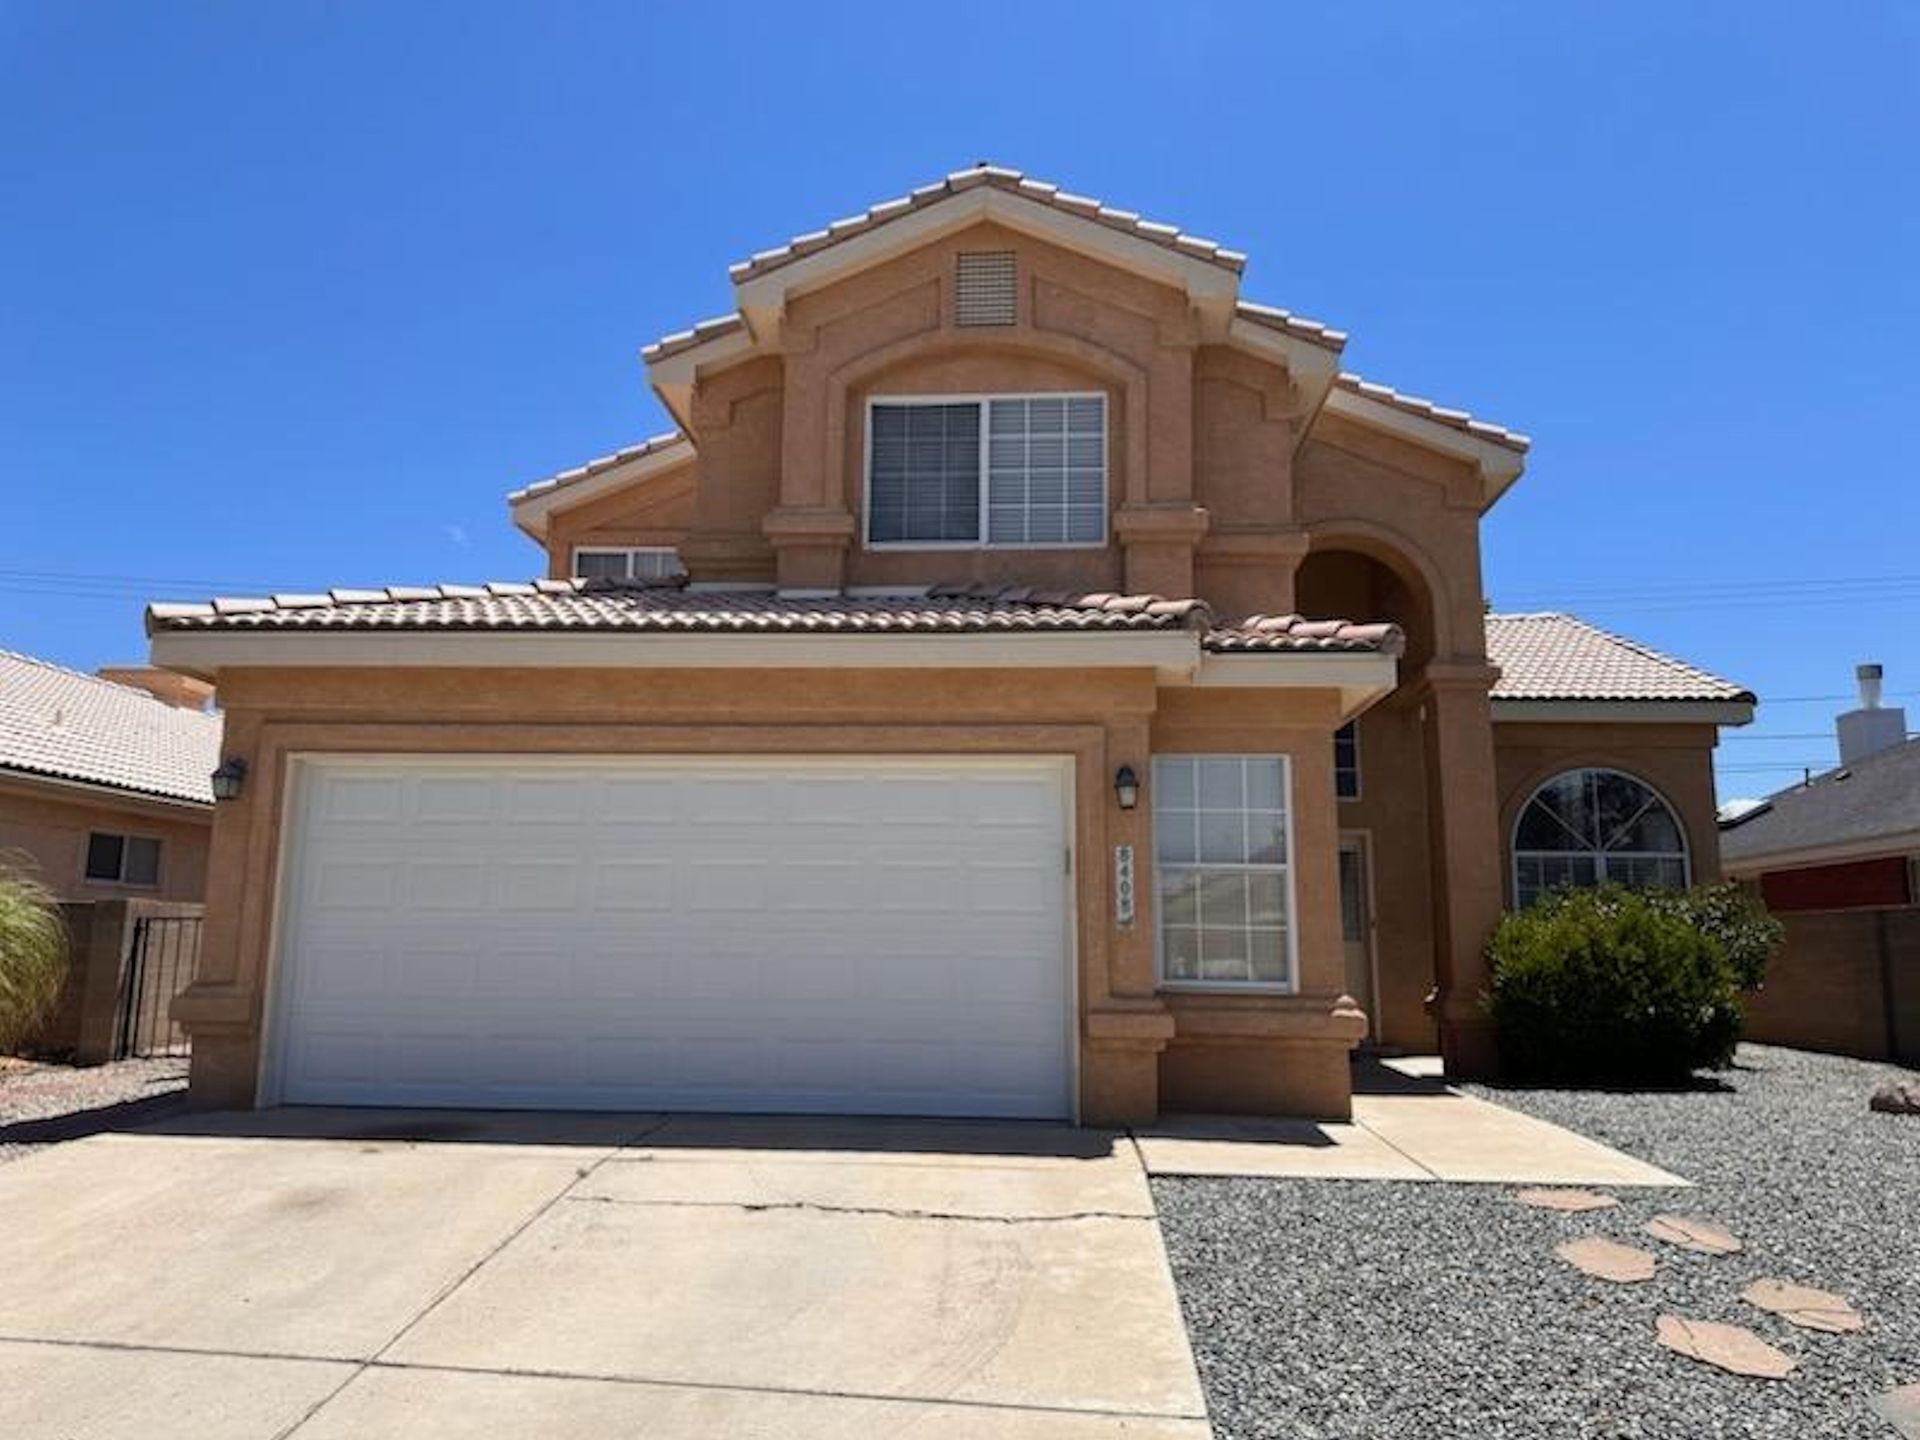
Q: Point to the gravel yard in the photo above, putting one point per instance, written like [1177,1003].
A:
[1326,1309]
[42,1104]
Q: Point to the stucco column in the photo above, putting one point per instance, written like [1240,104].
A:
[1463,813]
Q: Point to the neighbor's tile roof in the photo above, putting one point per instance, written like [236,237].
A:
[58,722]
[670,608]
[1557,657]
[1000,178]
[652,445]
[1428,410]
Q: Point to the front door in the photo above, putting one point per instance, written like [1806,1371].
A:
[1356,924]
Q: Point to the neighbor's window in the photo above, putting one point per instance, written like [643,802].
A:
[1596,827]
[1346,761]
[638,562]
[1223,870]
[1012,470]
[123,859]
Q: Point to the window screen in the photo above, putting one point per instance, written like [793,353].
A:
[925,474]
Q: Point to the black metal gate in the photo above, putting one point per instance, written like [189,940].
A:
[164,952]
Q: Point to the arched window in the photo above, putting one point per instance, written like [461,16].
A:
[1595,827]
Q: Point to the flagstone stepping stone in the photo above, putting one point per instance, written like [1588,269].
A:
[1570,1202]
[1608,1260]
[1809,1309]
[1900,1409]
[1690,1234]
[1727,1347]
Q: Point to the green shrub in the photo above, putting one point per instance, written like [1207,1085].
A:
[1610,986]
[1731,915]
[33,955]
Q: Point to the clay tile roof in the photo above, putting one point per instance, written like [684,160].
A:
[699,334]
[650,446]
[61,723]
[670,607]
[1273,317]
[1427,410]
[1258,633]
[1000,178]
[1558,657]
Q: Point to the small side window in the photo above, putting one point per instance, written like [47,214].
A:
[1346,761]
[104,855]
[123,859]
[635,562]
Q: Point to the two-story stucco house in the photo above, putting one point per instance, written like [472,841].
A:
[1033,680]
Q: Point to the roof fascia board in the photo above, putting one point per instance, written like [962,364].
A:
[532,513]
[1312,367]
[1211,287]
[16,777]
[672,376]
[1499,465]
[1174,653]
[1873,847]
[1631,712]
[1361,678]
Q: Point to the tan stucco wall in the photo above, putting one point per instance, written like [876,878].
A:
[1285,1054]
[50,824]
[1215,489]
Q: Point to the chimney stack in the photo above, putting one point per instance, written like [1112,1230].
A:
[1873,727]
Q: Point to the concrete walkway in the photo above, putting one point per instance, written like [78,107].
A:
[1407,1125]
[325,1274]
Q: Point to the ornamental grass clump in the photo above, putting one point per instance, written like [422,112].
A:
[33,955]
[1610,986]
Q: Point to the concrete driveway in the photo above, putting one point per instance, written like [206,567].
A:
[327,1274]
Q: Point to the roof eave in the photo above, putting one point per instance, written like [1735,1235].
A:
[531,508]
[1499,463]
[1800,857]
[1736,710]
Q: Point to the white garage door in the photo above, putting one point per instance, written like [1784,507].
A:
[866,936]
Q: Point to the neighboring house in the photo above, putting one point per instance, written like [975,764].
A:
[1837,858]
[931,725]
[104,779]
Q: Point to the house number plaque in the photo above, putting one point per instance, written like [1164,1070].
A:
[1123,885]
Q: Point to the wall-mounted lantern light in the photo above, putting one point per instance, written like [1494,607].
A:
[1126,787]
[228,779]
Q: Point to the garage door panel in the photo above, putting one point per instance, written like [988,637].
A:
[798,935]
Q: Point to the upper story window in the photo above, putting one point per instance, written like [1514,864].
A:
[1346,761]
[123,859]
[632,562]
[1026,471]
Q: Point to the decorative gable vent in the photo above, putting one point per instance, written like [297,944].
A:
[984,288]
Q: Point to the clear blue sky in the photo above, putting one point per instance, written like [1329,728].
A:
[291,293]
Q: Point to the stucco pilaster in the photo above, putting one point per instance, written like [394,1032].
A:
[1463,816]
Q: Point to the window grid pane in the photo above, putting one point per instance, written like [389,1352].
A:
[1589,827]
[1047,470]
[1223,887]
[925,474]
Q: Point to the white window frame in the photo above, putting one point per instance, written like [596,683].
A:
[1289,986]
[984,399]
[1358,783]
[126,839]
[629,551]
[1515,854]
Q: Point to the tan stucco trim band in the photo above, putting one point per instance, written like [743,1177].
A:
[1642,712]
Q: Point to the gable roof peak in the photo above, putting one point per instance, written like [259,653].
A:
[998,177]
